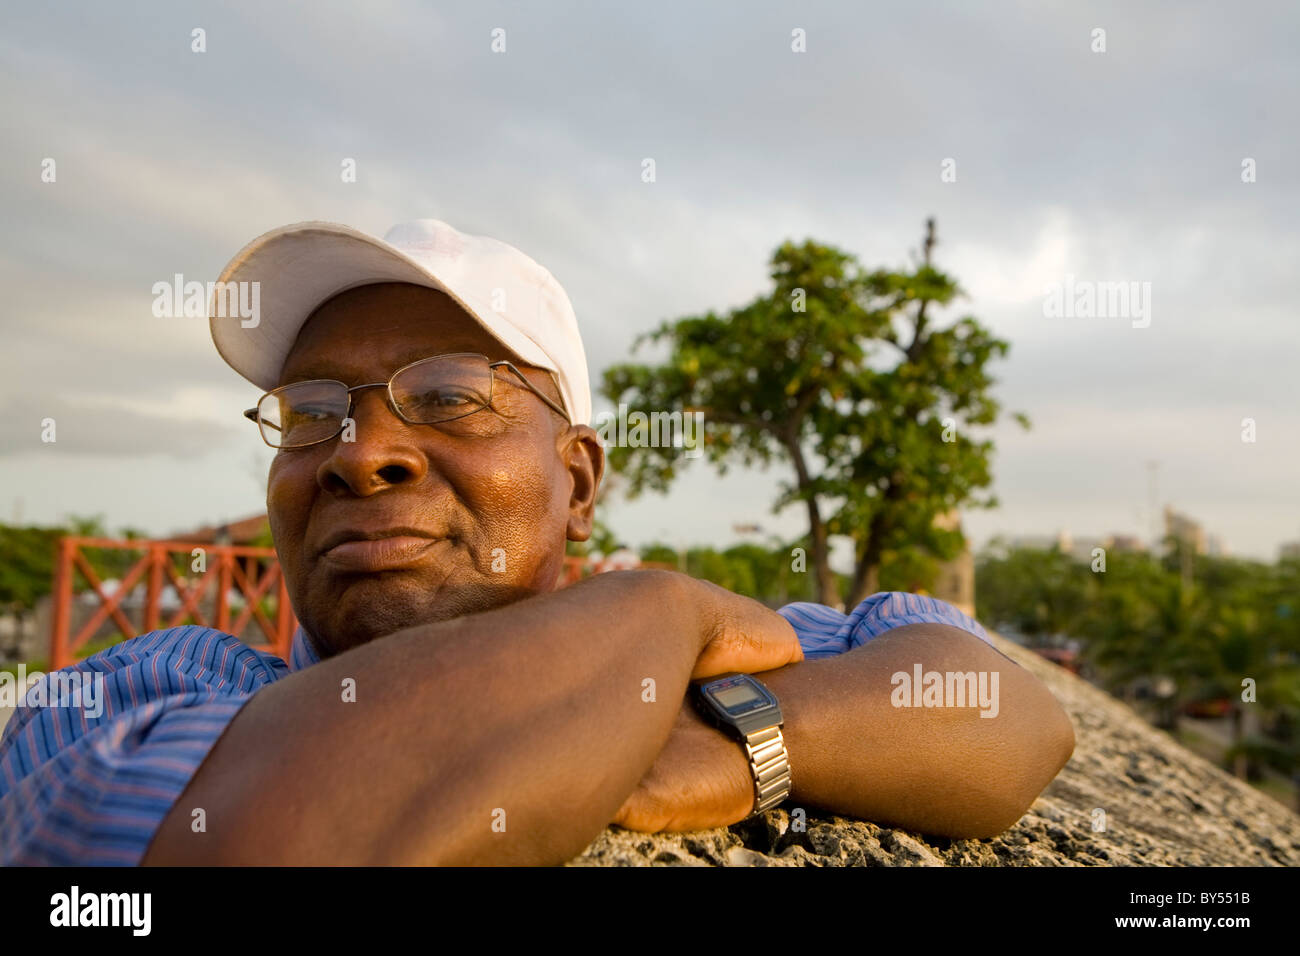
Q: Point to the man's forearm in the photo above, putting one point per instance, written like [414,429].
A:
[941,770]
[529,717]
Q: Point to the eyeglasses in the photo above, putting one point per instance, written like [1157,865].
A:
[433,390]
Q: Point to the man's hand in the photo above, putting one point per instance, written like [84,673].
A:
[741,634]
[700,780]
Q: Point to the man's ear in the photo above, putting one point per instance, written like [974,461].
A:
[584,459]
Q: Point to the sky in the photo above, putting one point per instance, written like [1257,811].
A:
[1123,164]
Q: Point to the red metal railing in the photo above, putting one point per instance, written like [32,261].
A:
[258,573]
[253,571]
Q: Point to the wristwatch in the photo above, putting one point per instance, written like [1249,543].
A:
[742,707]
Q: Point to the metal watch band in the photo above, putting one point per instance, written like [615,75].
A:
[771,766]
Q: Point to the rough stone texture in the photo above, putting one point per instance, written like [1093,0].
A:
[1164,806]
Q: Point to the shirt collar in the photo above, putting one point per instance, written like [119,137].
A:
[302,653]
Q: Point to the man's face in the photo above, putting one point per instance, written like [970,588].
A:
[487,500]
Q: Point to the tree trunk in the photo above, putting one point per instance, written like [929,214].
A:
[828,591]
[866,573]
[866,577]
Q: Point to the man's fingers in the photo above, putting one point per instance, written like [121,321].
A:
[749,638]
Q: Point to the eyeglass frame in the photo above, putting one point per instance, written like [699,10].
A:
[254,414]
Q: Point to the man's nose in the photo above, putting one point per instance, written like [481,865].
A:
[377,450]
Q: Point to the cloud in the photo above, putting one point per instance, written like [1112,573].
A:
[1105,166]
[103,426]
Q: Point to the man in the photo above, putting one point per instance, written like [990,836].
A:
[429,400]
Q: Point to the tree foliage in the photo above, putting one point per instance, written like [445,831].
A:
[28,554]
[842,375]
[1210,634]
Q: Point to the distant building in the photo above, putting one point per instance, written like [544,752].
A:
[1043,542]
[1127,543]
[1290,549]
[1184,529]
[1081,549]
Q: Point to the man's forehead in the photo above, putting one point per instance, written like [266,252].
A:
[360,330]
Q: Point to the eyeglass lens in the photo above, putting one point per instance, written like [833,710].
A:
[431,391]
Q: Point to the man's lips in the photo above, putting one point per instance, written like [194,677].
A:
[377,551]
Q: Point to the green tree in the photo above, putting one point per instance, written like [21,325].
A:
[1034,591]
[1194,624]
[1148,622]
[909,569]
[26,565]
[86,526]
[843,375]
[760,572]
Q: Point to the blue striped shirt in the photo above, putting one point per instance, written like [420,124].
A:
[86,785]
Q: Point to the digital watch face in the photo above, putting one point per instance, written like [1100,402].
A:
[737,695]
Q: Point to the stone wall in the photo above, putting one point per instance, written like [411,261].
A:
[1163,804]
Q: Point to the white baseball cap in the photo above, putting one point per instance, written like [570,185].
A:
[300,266]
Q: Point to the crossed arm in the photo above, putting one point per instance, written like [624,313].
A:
[946,771]
[516,735]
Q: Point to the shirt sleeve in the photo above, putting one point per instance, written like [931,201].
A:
[826,632]
[96,754]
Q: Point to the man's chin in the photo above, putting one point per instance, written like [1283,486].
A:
[362,609]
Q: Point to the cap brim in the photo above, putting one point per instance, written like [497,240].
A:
[298,268]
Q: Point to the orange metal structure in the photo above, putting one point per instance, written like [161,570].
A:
[227,565]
